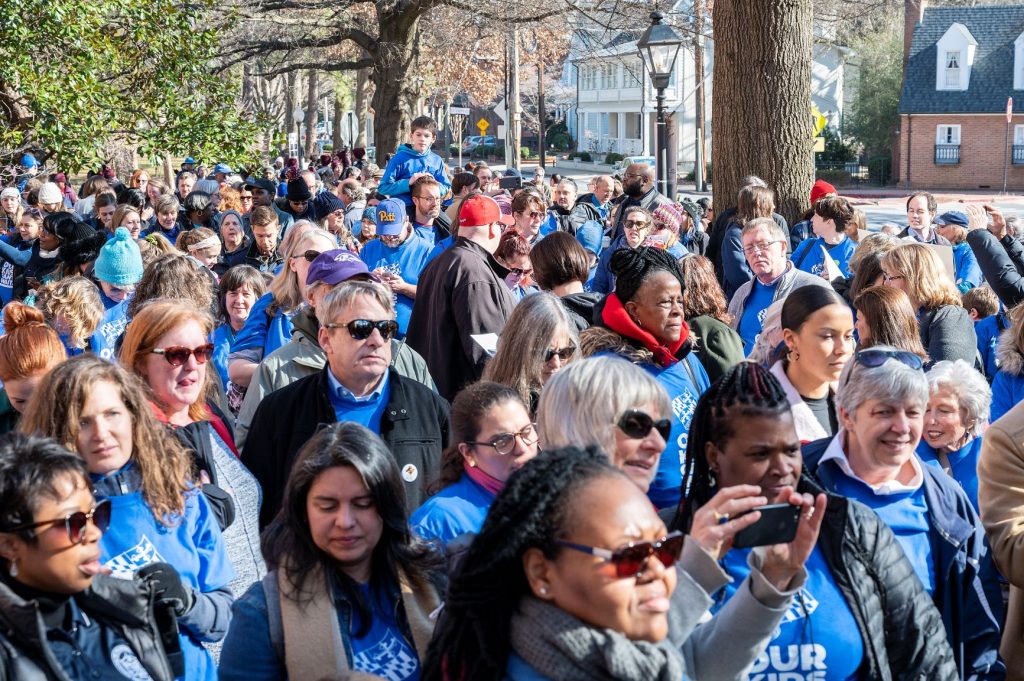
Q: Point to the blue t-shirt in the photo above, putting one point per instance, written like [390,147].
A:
[752,320]
[457,509]
[684,388]
[809,257]
[987,330]
[963,463]
[194,546]
[383,651]
[818,638]
[439,248]
[262,331]
[222,338]
[906,514]
[104,340]
[426,232]
[405,261]
[13,259]
[365,411]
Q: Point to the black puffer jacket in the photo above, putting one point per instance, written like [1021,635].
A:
[1002,263]
[903,634]
[123,605]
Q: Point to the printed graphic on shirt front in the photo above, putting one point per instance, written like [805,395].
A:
[7,275]
[394,268]
[109,332]
[683,407]
[126,564]
[127,665]
[390,658]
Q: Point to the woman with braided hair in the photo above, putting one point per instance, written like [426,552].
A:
[860,613]
[573,577]
[646,312]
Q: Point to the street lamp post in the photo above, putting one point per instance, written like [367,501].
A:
[659,47]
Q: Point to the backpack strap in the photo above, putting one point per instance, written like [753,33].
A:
[272,595]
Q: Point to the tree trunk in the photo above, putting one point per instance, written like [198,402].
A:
[761,104]
[290,100]
[392,71]
[339,112]
[362,106]
[312,110]
[700,150]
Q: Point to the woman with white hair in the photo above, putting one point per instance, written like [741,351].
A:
[958,404]
[882,398]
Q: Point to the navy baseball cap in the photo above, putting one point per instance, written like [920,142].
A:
[953,217]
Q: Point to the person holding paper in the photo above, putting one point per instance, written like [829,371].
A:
[947,331]
[828,253]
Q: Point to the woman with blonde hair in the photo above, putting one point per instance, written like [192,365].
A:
[28,349]
[269,324]
[167,345]
[538,340]
[73,308]
[202,244]
[947,331]
[130,218]
[101,411]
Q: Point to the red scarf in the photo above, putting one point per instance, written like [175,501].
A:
[618,320]
[488,482]
[215,422]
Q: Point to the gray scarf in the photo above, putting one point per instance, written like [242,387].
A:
[559,646]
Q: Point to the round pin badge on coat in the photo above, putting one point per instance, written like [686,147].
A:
[409,472]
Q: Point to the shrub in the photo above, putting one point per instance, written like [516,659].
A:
[611,158]
[524,152]
[840,178]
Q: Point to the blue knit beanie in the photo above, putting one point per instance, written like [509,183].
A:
[120,261]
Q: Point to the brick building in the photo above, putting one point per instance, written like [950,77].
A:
[963,64]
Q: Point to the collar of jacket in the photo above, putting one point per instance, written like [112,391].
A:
[463,243]
[128,480]
[255,253]
[397,408]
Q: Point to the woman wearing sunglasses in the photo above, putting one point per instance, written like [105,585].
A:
[645,316]
[492,437]
[817,329]
[573,577]
[538,340]
[102,411]
[882,398]
[167,345]
[51,579]
[635,228]
[514,253]
[353,593]
[860,613]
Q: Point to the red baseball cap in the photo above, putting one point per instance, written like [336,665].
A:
[479,210]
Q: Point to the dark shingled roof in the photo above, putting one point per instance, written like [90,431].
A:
[995,28]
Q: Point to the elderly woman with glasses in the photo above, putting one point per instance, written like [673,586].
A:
[882,399]
[61,616]
[491,438]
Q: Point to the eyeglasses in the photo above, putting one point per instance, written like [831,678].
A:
[632,175]
[563,354]
[178,355]
[520,272]
[360,329]
[76,522]
[431,199]
[636,424]
[635,224]
[760,248]
[504,443]
[886,278]
[873,358]
[631,559]
[533,214]
[310,255]
[245,197]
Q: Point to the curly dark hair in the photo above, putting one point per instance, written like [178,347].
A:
[288,544]
[533,510]
[631,268]
[746,390]
[174,276]
[702,294]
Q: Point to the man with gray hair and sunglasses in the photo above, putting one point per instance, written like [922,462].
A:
[357,323]
[881,397]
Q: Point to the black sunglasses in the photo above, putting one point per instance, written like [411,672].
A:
[360,329]
[76,522]
[636,424]
[631,559]
[563,354]
[874,358]
[311,255]
[178,355]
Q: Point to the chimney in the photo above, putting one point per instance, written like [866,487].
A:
[913,14]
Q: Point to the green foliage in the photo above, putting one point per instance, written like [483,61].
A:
[524,152]
[836,150]
[558,135]
[76,73]
[581,156]
[692,176]
[874,109]
[612,158]
[839,178]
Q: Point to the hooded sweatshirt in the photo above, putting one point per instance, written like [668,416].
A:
[403,165]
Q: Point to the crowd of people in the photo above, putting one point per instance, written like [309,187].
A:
[407,421]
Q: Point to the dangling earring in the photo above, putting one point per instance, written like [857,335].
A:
[712,482]
[637,322]
[13,570]
[794,355]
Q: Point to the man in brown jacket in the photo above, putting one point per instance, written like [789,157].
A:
[1001,498]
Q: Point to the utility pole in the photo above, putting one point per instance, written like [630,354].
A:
[698,75]
[514,134]
[541,113]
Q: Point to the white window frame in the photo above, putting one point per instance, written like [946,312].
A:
[1018,135]
[947,134]
[954,63]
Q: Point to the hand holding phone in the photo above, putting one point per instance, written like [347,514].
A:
[782,562]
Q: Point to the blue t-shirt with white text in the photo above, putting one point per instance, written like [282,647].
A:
[405,261]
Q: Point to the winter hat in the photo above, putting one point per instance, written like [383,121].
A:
[222,168]
[327,203]
[298,191]
[670,216]
[370,213]
[10,193]
[208,186]
[591,236]
[694,211]
[120,260]
[390,217]
[50,193]
[820,190]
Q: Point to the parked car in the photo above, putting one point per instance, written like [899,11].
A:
[485,141]
[621,166]
[471,142]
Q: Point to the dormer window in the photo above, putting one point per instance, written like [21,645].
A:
[953,69]
[1018,63]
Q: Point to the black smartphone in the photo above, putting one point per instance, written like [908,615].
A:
[510,182]
[777,525]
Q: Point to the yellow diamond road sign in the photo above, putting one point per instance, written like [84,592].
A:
[482,126]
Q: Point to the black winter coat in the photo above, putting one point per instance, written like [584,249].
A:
[903,634]
[195,437]
[414,426]
[1002,263]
